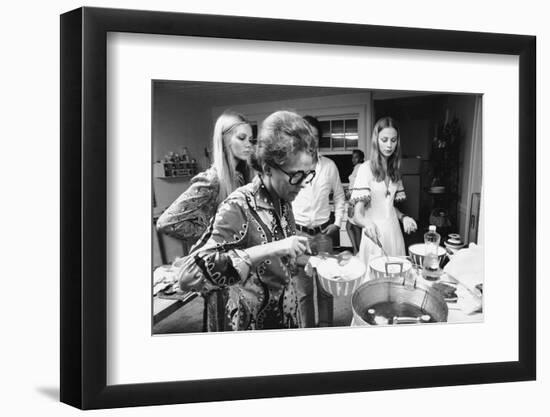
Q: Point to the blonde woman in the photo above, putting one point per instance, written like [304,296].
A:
[189,216]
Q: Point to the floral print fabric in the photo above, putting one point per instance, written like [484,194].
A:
[262,297]
[188,217]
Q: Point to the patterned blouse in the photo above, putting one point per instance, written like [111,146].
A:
[262,297]
[189,216]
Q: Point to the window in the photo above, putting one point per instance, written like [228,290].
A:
[339,133]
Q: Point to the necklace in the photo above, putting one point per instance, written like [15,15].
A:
[386,179]
[387,184]
[285,260]
[275,213]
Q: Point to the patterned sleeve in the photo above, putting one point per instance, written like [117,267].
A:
[361,188]
[221,261]
[400,193]
[190,214]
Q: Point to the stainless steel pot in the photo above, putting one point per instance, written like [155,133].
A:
[394,294]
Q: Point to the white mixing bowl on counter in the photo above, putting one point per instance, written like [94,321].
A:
[418,251]
[389,267]
[340,278]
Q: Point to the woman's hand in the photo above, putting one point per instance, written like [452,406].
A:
[292,246]
[409,225]
[371,231]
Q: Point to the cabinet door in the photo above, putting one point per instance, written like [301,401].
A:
[411,206]
[474,218]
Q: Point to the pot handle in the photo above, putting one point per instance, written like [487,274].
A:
[409,280]
[425,318]
[393,263]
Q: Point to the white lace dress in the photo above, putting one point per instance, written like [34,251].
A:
[379,202]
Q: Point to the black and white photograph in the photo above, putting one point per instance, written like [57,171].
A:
[275,208]
[280,207]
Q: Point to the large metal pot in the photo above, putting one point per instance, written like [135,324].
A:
[400,300]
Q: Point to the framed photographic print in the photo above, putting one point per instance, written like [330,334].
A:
[257,208]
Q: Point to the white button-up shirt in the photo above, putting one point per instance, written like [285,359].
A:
[311,207]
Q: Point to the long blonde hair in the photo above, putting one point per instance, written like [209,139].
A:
[394,161]
[224,160]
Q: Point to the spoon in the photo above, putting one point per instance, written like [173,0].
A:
[379,244]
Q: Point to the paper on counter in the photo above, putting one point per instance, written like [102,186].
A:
[466,266]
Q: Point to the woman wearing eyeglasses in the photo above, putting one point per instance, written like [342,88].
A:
[188,217]
[251,245]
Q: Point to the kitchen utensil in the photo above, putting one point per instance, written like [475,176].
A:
[379,244]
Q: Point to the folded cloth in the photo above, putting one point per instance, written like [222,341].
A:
[468,301]
[466,266]
[163,277]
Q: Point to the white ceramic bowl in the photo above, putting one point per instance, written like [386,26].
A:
[453,248]
[439,189]
[418,251]
[340,280]
[389,267]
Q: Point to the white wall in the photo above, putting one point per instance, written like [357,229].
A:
[30,234]
[316,106]
[176,123]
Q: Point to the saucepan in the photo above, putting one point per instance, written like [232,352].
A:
[390,301]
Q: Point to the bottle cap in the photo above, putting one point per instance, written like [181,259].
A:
[431,228]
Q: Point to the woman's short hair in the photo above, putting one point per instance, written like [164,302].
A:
[281,134]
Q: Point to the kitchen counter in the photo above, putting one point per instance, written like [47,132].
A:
[464,310]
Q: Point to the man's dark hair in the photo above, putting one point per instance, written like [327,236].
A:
[361,155]
[314,123]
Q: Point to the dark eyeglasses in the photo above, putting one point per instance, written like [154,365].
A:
[299,176]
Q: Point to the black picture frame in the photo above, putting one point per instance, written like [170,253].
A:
[84,207]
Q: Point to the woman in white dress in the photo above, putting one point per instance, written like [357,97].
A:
[377,187]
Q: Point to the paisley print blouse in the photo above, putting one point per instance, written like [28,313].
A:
[190,214]
[261,297]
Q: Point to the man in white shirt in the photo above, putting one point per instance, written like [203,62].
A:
[311,207]
[312,214]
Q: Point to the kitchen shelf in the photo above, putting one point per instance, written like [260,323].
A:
[172,170]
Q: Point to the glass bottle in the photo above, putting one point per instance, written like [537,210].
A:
[430,265]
